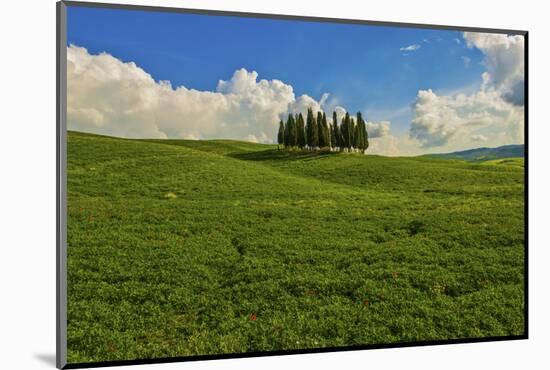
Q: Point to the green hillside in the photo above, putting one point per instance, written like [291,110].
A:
[485,154]
[183,248]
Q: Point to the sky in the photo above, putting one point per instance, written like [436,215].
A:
[171,75]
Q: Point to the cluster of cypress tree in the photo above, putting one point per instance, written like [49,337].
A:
[316,134]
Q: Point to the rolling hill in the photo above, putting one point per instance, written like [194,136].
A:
[484,154]
[180,248]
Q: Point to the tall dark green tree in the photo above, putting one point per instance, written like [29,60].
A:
[342,140]
[311,130]
[297,131]
[315,133]
[359,136]
[287,134]
[300,126]
[366,137]
[343,133]
[363,142]
[335,135]
[352,132]
[320,131]
[326,131]
[292,132]
[347,132]
[281,134]
[332,137]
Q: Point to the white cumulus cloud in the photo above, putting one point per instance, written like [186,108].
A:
[504,58]
[108,96]
[394,145]
[494,114]
[439,119]
[378,129]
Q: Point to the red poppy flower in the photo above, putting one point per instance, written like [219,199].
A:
[253,317]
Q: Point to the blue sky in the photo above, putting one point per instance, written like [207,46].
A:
[420,90]
[361,66]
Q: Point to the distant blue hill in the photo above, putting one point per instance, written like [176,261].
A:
[484,154]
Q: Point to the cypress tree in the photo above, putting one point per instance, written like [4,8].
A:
[364,142]
[287,133]
[321,139]
[309,128]
[336,131]
[281,134]
[296,128]
[326,131]
[314,131]
[292,131]
[356,136]
[347,131]
[341,137]
[301,131]
[360,140]
[343,133]
[332,136]
[352,132]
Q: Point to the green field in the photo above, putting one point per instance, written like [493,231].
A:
[180,248]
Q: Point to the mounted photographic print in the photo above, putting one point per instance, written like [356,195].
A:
[235,184]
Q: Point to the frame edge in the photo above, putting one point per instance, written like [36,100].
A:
[61,175]
[291,17]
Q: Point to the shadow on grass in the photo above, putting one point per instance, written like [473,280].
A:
[281,155]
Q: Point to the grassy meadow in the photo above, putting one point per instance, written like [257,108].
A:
[179,248]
